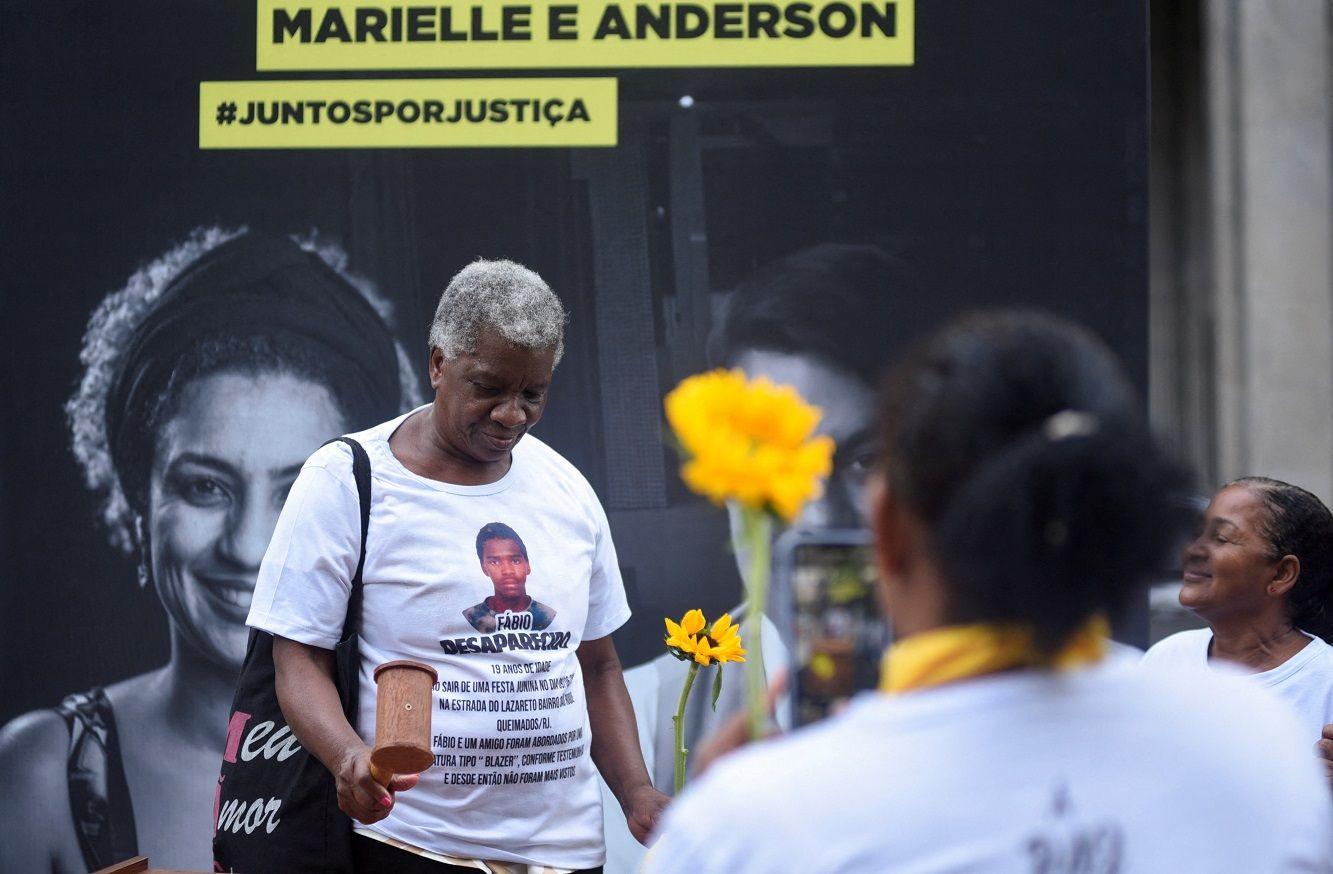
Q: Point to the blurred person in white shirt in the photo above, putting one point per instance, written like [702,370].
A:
[1020,500]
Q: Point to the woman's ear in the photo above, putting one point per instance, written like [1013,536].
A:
[435,366]
[912,594]
[887,526]
[1286,573]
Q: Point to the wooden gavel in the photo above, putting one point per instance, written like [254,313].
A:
[402,720]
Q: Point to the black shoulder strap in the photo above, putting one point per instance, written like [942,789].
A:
[361,473]
[99,796]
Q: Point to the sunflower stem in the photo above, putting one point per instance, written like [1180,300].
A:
[757,533]
[678,722]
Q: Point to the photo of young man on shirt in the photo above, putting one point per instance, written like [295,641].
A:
[504,559]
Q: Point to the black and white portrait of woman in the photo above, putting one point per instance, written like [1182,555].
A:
[207,380]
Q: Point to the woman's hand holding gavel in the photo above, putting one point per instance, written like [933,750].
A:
[360,795]
[368,778]
[309,700]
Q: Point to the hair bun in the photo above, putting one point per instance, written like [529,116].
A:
[1018,440]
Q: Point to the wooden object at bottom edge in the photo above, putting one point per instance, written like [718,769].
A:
[402,719]
[137,865]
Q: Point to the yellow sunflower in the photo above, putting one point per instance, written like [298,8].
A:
[693,640]
[749,441]
[721,644]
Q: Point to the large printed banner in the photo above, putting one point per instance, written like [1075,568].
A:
[799,189]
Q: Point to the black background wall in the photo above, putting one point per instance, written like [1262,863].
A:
[1008,164]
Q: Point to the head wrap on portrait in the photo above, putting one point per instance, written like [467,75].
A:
[252,286]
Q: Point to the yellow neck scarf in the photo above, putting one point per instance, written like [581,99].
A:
[959,652]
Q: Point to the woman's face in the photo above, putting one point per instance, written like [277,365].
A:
[487,399]
[1227,566]
[222,468]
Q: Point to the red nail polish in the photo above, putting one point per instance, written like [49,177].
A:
[386,801]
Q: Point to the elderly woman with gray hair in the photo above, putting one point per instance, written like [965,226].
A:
[209,377]
[521,714]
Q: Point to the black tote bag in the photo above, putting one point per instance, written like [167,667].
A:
[276,806]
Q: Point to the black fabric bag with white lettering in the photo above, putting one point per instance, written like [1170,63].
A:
[276,807]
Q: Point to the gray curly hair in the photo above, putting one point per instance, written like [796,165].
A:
[501,296]
[114,322]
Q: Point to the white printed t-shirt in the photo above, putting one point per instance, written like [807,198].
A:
[1305,681]
[513,779]
[1101,770]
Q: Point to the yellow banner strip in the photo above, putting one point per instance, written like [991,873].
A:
[407,113]
[583,34]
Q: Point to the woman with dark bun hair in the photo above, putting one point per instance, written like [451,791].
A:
[1019,501]
[1259,571]
[209,378]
